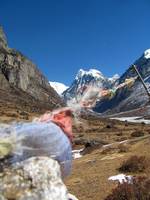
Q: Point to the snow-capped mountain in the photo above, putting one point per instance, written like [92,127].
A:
[92,72]
[143,66]
[58,87]
[129,98]
[114,78]
[85,78]
[147,54]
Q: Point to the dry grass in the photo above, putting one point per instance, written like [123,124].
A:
[137,134]
[89,178]
[123,148]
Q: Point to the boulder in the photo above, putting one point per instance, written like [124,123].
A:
[37,178]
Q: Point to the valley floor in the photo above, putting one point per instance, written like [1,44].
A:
[89,178]
[104,153]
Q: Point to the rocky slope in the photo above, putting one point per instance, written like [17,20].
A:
[128,98]
[18,75]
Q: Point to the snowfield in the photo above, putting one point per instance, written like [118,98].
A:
[58,87]
[136,119]
[77,153]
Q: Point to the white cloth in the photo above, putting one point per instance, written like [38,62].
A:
[42,139]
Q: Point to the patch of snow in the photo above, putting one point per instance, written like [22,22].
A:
[72,197]
[136,119]
[81,72]
[58,87]
[121,178]
[124,141]
[145,79]
[93,72]
[108,145]
[114,78]
[77,153]
[147,54]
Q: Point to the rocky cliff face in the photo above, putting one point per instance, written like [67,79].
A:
[18,73]
[143,65]
[3,39]
[129,98]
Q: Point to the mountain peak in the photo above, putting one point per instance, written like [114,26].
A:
[147,54]
[114,78]
[83,80]
[92,72]
[58,87]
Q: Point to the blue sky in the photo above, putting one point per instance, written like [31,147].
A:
[62,36]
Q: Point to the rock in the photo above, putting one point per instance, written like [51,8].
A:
[21,73]
[3,82]
[20,76]
[37,178]
[3,40]
[2,198]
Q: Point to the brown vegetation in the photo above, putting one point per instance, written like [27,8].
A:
[134,164]
[90,173]
[123,148]
[137,134]
[139,189]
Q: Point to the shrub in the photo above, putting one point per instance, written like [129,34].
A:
[126,123]
[123,148]
[120,139]
[134,164]
[119,134]
[139,189]
[137,134]
[81,135]
[109,126]
[108,150]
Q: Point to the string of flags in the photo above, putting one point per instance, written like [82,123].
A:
[89,95]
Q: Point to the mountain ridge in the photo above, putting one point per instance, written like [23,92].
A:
[86,78]
[129,98]
[19,75]
[124,98]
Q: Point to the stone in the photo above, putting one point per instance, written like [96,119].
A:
[3,39]
[33,179]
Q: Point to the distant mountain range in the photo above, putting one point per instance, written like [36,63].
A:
[126,98]
[23,86]
[58,87]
